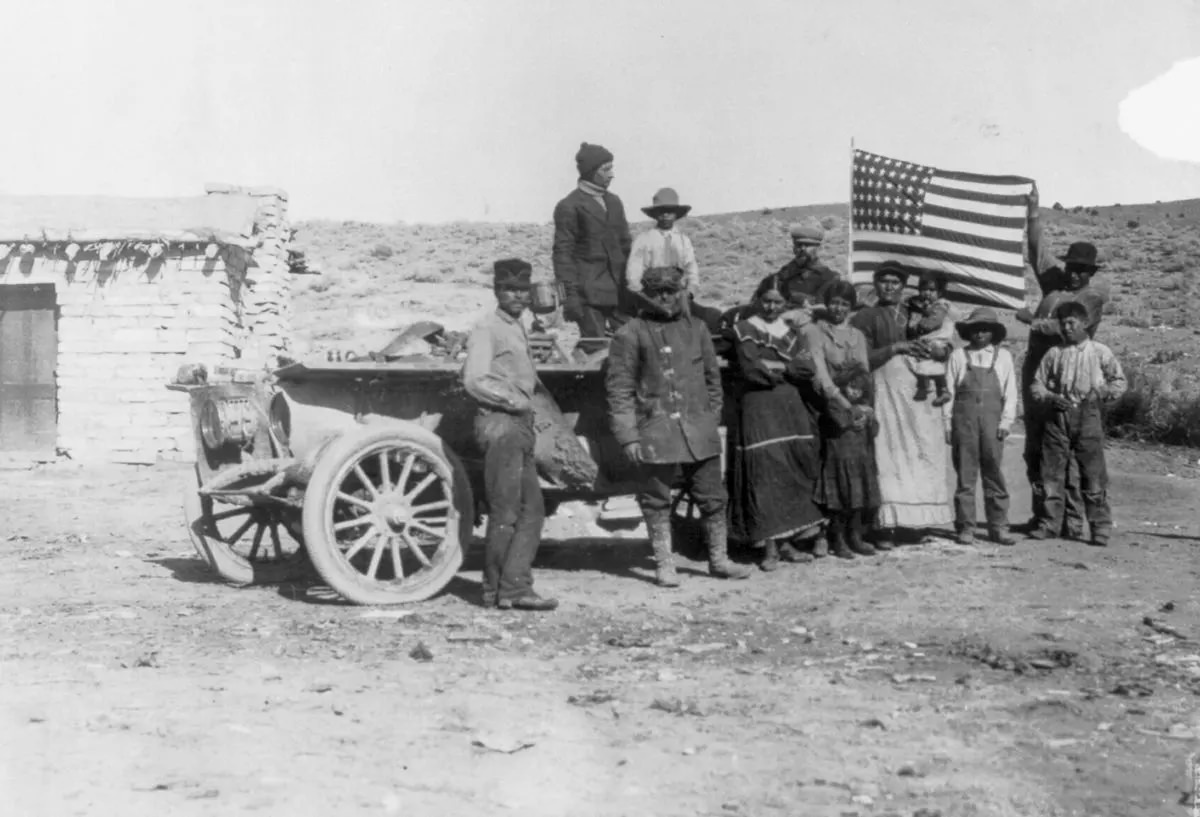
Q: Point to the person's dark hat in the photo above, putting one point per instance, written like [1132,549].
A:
[891,268]
[589,158]
[1081,253]
[663,278]
[666,200]
[512,273]
[985,317]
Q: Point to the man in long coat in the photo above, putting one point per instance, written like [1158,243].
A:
[665,400]
[591,245]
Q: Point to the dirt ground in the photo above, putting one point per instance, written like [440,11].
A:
[934,680]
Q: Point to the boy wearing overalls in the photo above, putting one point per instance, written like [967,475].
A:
[983,405]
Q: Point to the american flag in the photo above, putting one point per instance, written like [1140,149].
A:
[967,225]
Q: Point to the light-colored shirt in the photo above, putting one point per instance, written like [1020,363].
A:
[499,370]
[662,248]
[834,347]
[956,371]
[1079,371]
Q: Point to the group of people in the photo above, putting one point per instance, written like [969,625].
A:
[843,419]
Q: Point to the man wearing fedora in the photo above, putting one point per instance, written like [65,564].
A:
[983,406]
[591,243]
[499,375]
[1063,278]
[663,246]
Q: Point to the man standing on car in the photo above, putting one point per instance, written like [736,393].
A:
[591,245]
[499,374]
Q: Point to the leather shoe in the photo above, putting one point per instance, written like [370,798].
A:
[788,553]
[861,548]
[487,599]
[1001,536]
[1039,533]
[530,601]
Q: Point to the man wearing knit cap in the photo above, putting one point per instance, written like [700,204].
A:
[803,280]
[499,375]
[591,245]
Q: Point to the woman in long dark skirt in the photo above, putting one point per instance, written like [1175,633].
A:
[774,454]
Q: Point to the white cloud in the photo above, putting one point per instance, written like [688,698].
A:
[1162,115]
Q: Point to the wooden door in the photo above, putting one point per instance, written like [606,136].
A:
[28,355]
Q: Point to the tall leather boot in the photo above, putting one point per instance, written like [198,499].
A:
[770,559]
[854,535]
[716,538]
[658,526]
[837,537]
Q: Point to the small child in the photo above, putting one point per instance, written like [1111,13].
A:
[848,486]
[1071,382]
[929,322]
[983,391]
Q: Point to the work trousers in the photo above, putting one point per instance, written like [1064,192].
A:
[600,321]
[514,499]
[1035,422]
[1075,435]
[975,449]
[703,479]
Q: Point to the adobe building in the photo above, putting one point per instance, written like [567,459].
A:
[103,299]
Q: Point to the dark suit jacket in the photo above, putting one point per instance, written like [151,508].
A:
[664,389]
[590,248]
[799,284]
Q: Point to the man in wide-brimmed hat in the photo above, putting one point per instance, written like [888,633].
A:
[663,246]
[591,244]
[499,375]
[1068,277]
[978,419]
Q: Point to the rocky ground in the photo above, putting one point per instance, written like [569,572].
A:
[1044,679]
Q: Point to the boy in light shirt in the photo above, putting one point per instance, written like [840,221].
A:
[1072,381]
[982,390]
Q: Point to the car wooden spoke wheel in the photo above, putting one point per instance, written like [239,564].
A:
[386,514]
[246,540]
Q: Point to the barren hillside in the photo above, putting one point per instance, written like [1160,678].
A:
[378,278]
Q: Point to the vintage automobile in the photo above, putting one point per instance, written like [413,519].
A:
[367,469]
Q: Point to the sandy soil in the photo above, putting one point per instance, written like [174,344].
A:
[936,680]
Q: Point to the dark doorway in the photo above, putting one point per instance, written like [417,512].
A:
[28,356]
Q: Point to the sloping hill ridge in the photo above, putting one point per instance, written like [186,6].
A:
[1152,253]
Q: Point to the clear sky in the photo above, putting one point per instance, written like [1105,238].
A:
[433,110]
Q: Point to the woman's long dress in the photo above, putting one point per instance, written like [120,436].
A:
[774,454]
[910,449]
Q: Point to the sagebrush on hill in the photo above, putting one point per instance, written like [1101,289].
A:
[1152,268]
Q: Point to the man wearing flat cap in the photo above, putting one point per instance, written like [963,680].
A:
[803,280]
[591,245]
[499,375]
[664,400]
[1063,278]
